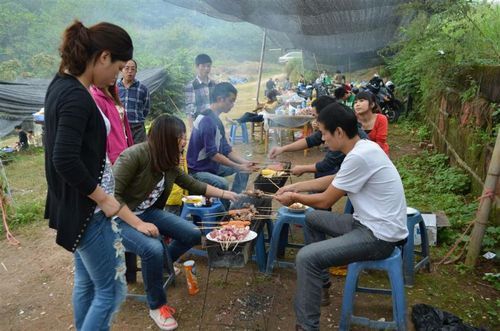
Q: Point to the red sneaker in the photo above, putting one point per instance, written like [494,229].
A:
[163,317]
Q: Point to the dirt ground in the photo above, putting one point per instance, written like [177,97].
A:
[36,281]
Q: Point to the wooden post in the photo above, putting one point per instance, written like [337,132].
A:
[315,61]
[261,64]
[483,214]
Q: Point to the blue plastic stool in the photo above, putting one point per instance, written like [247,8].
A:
[260,256]
[244,133]
[393,266]
[414,217]
[279,237]
[348,207]
[189,209]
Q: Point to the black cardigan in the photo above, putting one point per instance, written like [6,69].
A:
[75,156]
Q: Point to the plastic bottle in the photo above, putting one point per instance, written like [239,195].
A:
[191,280]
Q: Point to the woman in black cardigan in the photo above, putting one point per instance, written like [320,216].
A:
[80,181]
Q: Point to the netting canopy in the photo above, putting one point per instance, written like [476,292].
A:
[20,99]
[345,34]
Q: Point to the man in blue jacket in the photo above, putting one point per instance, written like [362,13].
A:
[210,157]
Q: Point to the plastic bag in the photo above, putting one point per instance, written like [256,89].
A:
[428,318]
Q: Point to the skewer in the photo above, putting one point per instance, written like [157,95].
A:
[218,214]
[236,245]
[273,183]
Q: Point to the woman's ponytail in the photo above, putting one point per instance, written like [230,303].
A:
[76,49]
[81,44]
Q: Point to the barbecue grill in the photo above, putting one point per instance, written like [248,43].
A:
[238,258]
[271,185]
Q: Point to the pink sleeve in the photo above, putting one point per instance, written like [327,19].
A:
[130,137]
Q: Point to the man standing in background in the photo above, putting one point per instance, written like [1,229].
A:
[135,98]
[197,92]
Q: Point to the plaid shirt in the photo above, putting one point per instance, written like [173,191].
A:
[135,99]
[197,96]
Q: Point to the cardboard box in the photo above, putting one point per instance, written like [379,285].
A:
[431,225]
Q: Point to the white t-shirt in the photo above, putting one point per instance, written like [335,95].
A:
[375,189]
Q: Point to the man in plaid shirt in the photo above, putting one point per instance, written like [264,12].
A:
[197,92]
[135,98]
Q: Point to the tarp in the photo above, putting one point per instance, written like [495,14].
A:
[345,34]
[20,99]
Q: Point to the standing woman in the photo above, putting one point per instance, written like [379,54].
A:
[79,178]
[372,121]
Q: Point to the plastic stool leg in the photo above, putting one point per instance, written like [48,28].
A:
[260,252]
[273,246]
[398,296]
[270,227]
[232,134]
[283,240]
[185,211]
[425,262]
[348,299]
[244,132]
[409,256]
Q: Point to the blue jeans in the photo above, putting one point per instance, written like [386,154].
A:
[351,241]
[100,285]
[218,180]
[151,250]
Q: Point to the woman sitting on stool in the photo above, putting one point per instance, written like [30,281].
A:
[144,175]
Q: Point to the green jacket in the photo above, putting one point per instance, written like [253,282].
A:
[134,179]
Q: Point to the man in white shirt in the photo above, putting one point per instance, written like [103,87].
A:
[377,225]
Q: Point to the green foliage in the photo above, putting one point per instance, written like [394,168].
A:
[26,213]
[10,69]
[463,269]
[493,279]
[30,33]
[443,38]
[293,69]
[432,184]
[471,92]
[491,238]
[423,133]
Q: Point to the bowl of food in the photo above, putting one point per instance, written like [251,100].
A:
[297,207]
[196,200]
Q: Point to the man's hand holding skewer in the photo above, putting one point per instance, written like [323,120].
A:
[285,198]
[287,188]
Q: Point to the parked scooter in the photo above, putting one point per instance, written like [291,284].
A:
[384,93]
[304,91]
[391,107]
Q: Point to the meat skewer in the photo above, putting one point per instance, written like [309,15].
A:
[257,194]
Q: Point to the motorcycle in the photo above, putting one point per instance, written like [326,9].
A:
[305,91]
[391,107]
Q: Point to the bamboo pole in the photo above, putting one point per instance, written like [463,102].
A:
[261,63]
[483,214]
